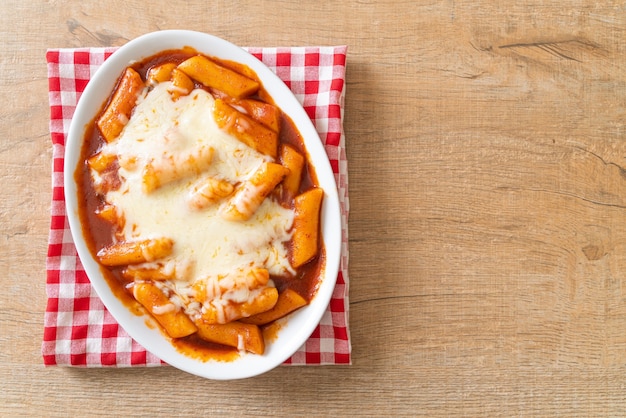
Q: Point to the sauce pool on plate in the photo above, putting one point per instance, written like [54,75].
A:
[200,202]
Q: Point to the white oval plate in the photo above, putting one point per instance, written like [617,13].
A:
[302,323]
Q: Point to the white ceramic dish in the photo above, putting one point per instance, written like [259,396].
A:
[301,324]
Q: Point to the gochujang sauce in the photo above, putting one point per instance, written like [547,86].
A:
[100,233]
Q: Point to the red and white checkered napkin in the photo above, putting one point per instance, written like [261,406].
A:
[78,330]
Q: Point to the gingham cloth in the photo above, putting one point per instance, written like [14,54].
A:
[78,330]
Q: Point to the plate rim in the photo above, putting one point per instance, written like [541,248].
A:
[246,365]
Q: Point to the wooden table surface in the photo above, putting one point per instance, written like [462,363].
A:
[487,161]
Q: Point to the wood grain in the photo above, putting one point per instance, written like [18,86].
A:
[486,148]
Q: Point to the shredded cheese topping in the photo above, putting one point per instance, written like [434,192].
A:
[166,136]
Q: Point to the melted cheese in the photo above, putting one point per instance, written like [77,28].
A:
[163,133]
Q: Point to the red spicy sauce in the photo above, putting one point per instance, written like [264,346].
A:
[100,233]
